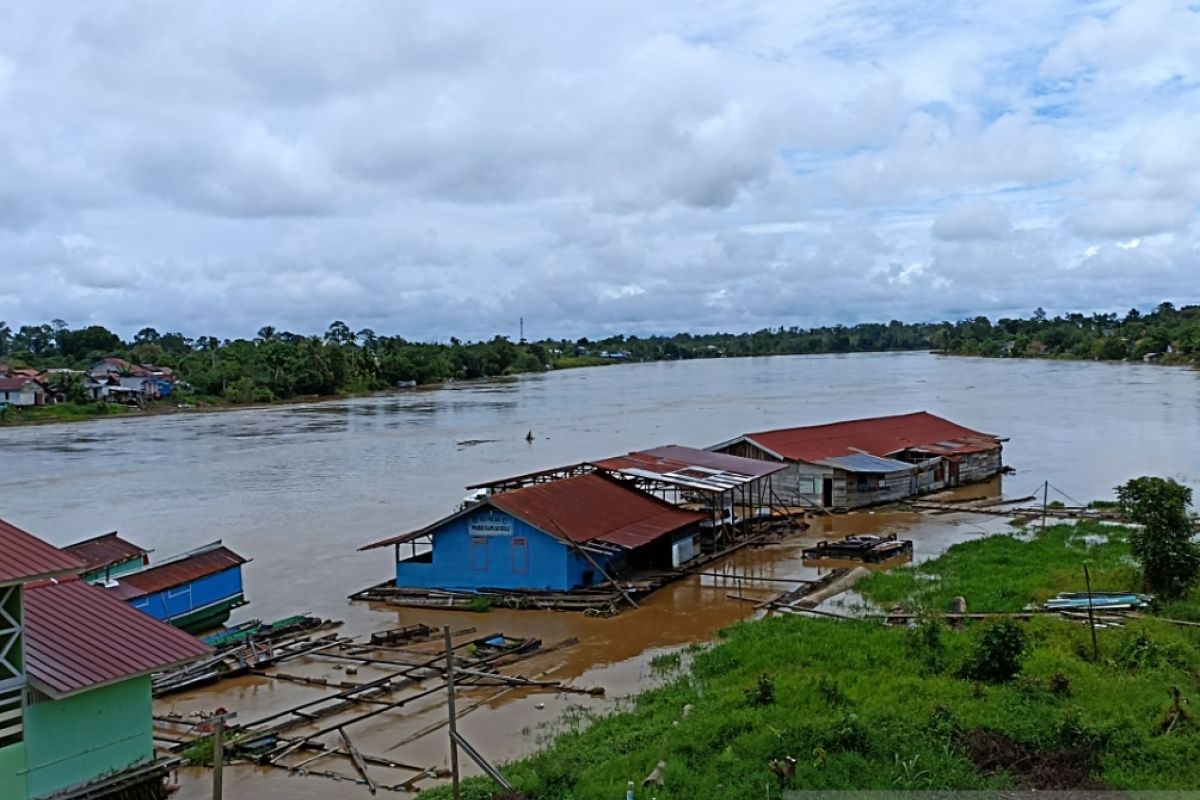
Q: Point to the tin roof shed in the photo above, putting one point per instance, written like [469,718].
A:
[24,557]
[79,637]
[690,468]
[586,508]
[104,551]
[879,436]
[188,567]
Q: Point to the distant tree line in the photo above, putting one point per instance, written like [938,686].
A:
[279,364]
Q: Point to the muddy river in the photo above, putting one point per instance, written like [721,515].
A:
[299,488]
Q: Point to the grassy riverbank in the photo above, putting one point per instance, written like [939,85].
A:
[61,412]
[863,706]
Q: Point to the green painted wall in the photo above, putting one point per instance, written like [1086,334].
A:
[89,735]
[12,772]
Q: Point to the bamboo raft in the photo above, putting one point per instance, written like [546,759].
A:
[247,648]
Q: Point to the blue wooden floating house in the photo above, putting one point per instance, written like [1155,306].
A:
[554,536]
[195,591]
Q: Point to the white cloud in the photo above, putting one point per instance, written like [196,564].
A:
[977,218]
[441,169]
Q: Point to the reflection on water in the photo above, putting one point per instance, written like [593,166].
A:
[299,488]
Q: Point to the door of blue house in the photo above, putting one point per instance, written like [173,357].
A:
[479,553]
[520,555]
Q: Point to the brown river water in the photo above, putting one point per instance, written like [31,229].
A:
[299,488]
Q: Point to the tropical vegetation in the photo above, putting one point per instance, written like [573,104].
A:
[277,364]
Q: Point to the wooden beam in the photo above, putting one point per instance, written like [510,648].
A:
[357,758]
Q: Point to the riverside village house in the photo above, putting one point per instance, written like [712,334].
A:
[75,693]
[863,462]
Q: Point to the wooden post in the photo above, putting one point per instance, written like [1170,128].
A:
[1045,497]
[218,754]
[453,720]
[1087,578]
[592,561]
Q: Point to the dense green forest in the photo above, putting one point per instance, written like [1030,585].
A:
[279,364]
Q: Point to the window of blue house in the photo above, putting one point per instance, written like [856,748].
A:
[520,555]
[479,553]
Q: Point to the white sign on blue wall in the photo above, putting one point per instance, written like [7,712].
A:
[491,525]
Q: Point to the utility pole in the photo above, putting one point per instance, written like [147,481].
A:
[522,330]
[1045,498]
[218,754]
[1087,578]
[453,720]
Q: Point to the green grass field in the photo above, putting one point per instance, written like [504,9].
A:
[864,706]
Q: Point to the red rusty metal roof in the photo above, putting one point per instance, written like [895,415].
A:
[24,557]
[591,508]
[187,567]
[17,383]
[585,508]
[78,637]
[878,436]
[105,550]
[691,468]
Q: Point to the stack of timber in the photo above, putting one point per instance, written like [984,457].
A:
[246,648]
[1098,601]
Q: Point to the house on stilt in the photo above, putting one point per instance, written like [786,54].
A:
[845,465]
[75,686]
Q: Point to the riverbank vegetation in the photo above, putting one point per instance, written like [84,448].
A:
[1004,703]
[279,365]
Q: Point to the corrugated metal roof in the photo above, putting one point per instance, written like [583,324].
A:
[24,557]
[187,567]
[78,637]
[691,468]
[105,550]
[585,508]
[862,462]
[881,436]
[16,383]
[592,508]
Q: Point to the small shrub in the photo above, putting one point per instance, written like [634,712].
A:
[997,653]
[480,604]
[926,644]
[1138,652]
[1060,685]
[763,691]
[830,692]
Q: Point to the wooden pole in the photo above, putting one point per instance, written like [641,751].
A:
[218,756]
[1045,498]
[219,753]
[453,717]
[1087,578]
[592,561]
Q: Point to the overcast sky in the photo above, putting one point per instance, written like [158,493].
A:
[438,169]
